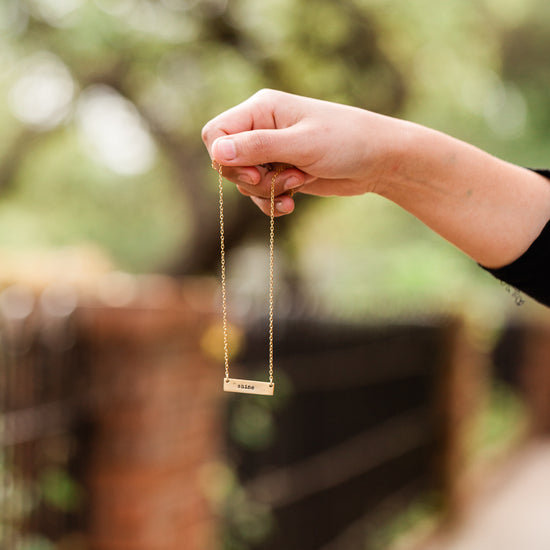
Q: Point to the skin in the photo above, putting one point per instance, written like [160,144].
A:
[489,208]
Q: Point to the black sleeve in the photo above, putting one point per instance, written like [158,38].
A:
[530,273]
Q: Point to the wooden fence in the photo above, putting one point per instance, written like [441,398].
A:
[115,435]
[373,417]
[42,428]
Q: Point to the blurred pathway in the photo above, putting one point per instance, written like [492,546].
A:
[513,512]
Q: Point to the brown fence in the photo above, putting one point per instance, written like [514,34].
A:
[107,417]
[114,429]
[156,417]
[42,436]
[522,359]
[371,418]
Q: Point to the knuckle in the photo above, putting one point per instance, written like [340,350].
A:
[266,97]
[205,131]
[264,93]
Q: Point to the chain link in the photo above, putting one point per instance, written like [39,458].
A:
[222,259]
[219,169]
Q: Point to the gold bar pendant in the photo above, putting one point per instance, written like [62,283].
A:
[248,386]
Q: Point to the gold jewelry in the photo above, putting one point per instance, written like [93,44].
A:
[235,384]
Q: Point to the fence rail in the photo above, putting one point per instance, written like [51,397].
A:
[111,416]
[40,435]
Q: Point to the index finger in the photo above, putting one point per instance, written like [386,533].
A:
[251,114]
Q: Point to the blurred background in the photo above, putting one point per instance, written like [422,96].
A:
[412,392]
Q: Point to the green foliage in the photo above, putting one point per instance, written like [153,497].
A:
[58,489]
[477,70]
[502,422]
[420,513]
[252,425]
[37,543]
[386,263]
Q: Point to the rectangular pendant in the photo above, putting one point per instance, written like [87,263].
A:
[248,386]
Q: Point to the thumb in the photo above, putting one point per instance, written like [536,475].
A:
[255,147]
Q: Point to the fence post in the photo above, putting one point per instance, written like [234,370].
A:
[534,375]
[156,423]
[462,390]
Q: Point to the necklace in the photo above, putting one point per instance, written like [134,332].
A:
[236,384]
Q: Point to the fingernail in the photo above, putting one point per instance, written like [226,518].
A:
[292,183]
[279,207]
[225,149]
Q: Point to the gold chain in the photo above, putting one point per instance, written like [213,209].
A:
[271,270]
[222,256]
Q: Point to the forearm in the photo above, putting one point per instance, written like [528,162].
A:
[490,209]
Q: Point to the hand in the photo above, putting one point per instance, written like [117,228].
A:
[333,149]
[490,209]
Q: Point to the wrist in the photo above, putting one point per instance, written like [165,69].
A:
[405,160]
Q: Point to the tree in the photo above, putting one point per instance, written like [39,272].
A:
[135,80]
[178,63]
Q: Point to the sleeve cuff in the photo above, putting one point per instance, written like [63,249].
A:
[530,273]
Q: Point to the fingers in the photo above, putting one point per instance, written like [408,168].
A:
[286,184]
[287,181]
[257,112]
[241,118]
[259,147]
[265,128]
[284,204]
